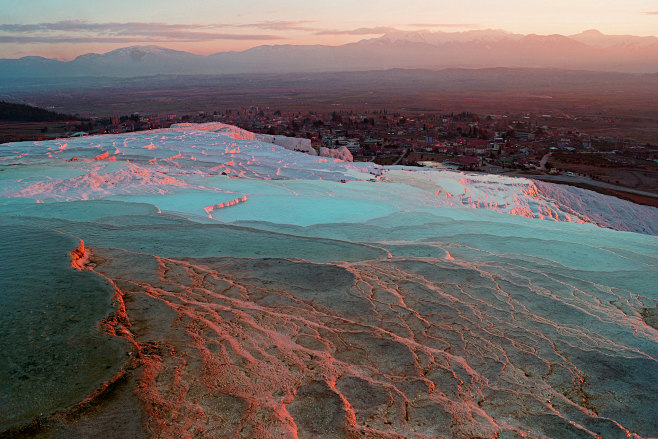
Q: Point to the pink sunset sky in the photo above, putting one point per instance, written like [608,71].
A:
[68,28]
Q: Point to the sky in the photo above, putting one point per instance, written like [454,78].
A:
[65,29]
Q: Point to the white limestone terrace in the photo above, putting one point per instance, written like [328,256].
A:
[251,290]
[194,169]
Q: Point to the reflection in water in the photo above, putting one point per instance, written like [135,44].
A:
[52,352]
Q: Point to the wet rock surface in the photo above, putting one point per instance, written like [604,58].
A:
[380,348]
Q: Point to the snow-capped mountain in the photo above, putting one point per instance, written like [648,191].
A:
[438,38]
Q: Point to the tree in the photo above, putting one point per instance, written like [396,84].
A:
[28,113]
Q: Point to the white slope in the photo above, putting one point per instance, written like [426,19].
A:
[190,168]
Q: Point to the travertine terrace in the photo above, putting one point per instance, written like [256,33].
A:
[237,288]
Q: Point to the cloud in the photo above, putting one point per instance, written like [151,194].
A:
[106,28]
[86,39]
[360,31]
[651,13]
[82,31]
[450,25]
[281,25]
[67,39]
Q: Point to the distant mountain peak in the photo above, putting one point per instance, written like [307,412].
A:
[552,37]
[151,49]
[595,37]
[135,53]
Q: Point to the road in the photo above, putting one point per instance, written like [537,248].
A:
[404,153]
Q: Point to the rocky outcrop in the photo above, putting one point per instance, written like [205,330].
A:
[341,153]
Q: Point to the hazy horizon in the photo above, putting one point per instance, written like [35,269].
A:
[393,32]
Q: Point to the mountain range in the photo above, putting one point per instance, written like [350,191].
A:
[590,50]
